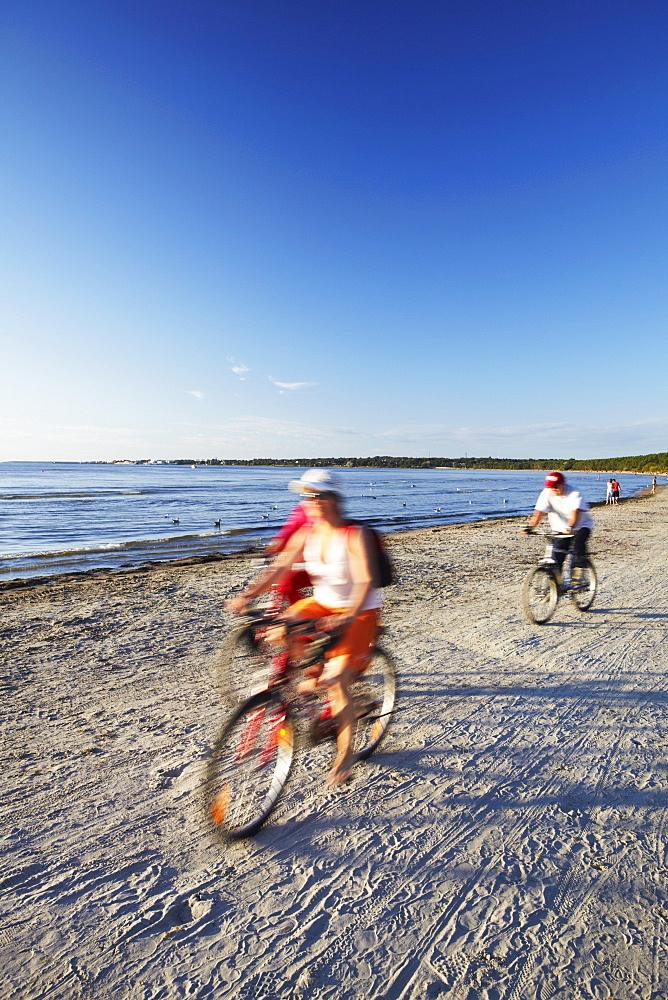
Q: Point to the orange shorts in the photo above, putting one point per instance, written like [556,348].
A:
[358,640]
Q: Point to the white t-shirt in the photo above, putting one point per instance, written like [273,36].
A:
[560,508]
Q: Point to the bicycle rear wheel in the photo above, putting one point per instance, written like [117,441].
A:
[374,697]
[243,665]
[540,595]
[584,593]
[249,766]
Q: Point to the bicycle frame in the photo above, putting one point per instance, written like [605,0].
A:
[562,572]
[274,733]
[282,671]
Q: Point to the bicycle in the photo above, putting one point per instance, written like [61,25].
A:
[544,585]
[243,662]
[252,757]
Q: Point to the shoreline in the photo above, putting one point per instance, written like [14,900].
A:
[317,463]
[104,572]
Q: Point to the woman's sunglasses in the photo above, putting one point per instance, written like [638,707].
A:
[317,496]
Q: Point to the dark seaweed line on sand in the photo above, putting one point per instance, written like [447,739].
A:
[107,572]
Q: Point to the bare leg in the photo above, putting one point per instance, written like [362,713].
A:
[342,709]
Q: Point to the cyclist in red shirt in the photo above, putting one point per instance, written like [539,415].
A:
[292,586]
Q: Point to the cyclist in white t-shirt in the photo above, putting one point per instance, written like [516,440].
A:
[567,512]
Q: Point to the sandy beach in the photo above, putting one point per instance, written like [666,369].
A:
[507,842]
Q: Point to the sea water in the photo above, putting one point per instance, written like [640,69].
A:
[64,517]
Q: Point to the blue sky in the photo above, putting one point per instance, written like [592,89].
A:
[252,228]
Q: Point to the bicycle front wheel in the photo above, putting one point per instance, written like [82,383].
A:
[540,595]
[374,697]
[583,594]
[243,665]
[249,766]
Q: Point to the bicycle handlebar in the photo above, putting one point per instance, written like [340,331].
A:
[305,625]
[548,534]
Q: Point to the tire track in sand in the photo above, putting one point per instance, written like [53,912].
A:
[566,901]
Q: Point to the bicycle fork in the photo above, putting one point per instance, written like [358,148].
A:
[275,735]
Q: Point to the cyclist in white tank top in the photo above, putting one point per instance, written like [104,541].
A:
[337,561]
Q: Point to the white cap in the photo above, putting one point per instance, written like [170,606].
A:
[316,481]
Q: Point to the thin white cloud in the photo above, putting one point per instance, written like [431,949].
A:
[290,386]
[239,369]
[250,436]
[558,439]
[30,441]
[21,427]
[196,393]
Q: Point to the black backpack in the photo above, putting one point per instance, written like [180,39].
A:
[383,575]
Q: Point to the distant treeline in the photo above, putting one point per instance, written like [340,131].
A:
[632,463]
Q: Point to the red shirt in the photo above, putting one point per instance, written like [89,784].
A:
[298,518]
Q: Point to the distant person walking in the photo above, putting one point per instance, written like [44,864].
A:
[615,491]
[608,491]
[654,485]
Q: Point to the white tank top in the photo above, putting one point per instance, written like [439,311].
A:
[332,579]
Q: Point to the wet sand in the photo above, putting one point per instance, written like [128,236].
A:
[508,840]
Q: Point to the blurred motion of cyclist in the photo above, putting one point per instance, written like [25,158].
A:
[567,512]
[337,560]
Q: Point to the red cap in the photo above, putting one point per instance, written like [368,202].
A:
[554,479]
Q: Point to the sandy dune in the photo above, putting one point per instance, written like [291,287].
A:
[508,842]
